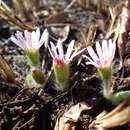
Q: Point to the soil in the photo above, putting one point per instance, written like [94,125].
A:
[23,108]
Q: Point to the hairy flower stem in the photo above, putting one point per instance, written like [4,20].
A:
[107,88]
[62,75]
[105,75]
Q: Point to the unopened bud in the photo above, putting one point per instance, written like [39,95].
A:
[38,76]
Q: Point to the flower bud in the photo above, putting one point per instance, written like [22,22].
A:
[104,73]
[38,76]
[61,72]
[33,57]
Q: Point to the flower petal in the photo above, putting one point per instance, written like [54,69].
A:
[44,38]
[76,53]
[112,49]
[92,53]
[99,51]
[105,54]
[13,39]
[53,51]
[28,39]
[21,39]
[38,35]
[105,49]
[60,49]
[69,50]
[90,61]
[34,39]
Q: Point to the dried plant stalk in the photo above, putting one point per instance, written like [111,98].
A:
[114,26]
[119,116]
[124,29]
[120,26]
[91,34]
[21,9]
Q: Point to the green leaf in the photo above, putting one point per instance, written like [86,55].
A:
[120,97]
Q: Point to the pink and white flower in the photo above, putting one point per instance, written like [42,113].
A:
[105,54]
[58,55]
[30,40]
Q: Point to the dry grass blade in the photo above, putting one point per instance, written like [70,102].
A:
[12,18]
[6,71]
[21,9]
[91,34]
[114,23]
